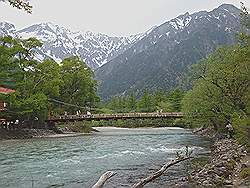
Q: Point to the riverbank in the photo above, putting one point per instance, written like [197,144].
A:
[227,166]
[25,133]
[36,133]
[64,130]
[71,130]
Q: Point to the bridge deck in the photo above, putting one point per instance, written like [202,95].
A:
[115,116]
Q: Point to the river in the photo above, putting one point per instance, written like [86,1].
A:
[78,162]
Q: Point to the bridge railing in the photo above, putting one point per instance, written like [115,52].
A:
[118,115]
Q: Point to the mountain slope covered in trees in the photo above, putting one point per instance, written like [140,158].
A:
[161,58]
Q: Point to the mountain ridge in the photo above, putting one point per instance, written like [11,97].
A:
[59,42]
[159,60]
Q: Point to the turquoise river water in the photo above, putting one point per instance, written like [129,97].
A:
[78,162]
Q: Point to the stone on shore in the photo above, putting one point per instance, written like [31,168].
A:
[223,167]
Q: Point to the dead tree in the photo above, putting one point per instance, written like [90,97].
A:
[180,157]
[158,173]
[105,177]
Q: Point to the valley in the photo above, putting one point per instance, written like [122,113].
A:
[165,107]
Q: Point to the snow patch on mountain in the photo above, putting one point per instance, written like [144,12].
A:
[59,42]
[181,21]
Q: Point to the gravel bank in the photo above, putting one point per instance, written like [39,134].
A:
[25,133]
[224,168]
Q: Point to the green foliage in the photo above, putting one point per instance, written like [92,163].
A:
[11,67]
[117,104]
[158,101]
[175,97]
[78,127]
[78,87]
[146,103]
[165,106]
[131,103]
[244,38]
[47,78]
[29,107]
[104,111]
[134,123]
[37,82]
[159,96]
[20,4]
[241,125]
[220,88]
[17,67]
[181,123]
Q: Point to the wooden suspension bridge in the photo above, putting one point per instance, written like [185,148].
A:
[98,117]
[52,121]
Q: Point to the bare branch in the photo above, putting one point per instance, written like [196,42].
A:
[20,4]
[105,177]
[158,173]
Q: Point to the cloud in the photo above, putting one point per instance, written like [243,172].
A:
[113,17]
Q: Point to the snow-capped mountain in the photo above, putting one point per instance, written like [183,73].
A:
[156,59]
[7,29]
[59,42]
[160,59]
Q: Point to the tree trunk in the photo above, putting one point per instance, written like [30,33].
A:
[105,177]
[158,173]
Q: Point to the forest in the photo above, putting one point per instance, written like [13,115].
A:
[74,134]
[38,83]
[216,92]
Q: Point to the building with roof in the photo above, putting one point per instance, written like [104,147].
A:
[5,91]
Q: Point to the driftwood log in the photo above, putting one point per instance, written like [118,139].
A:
[109,174]
[158,173]
[105,177]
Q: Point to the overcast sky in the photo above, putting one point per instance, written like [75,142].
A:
[112,17]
